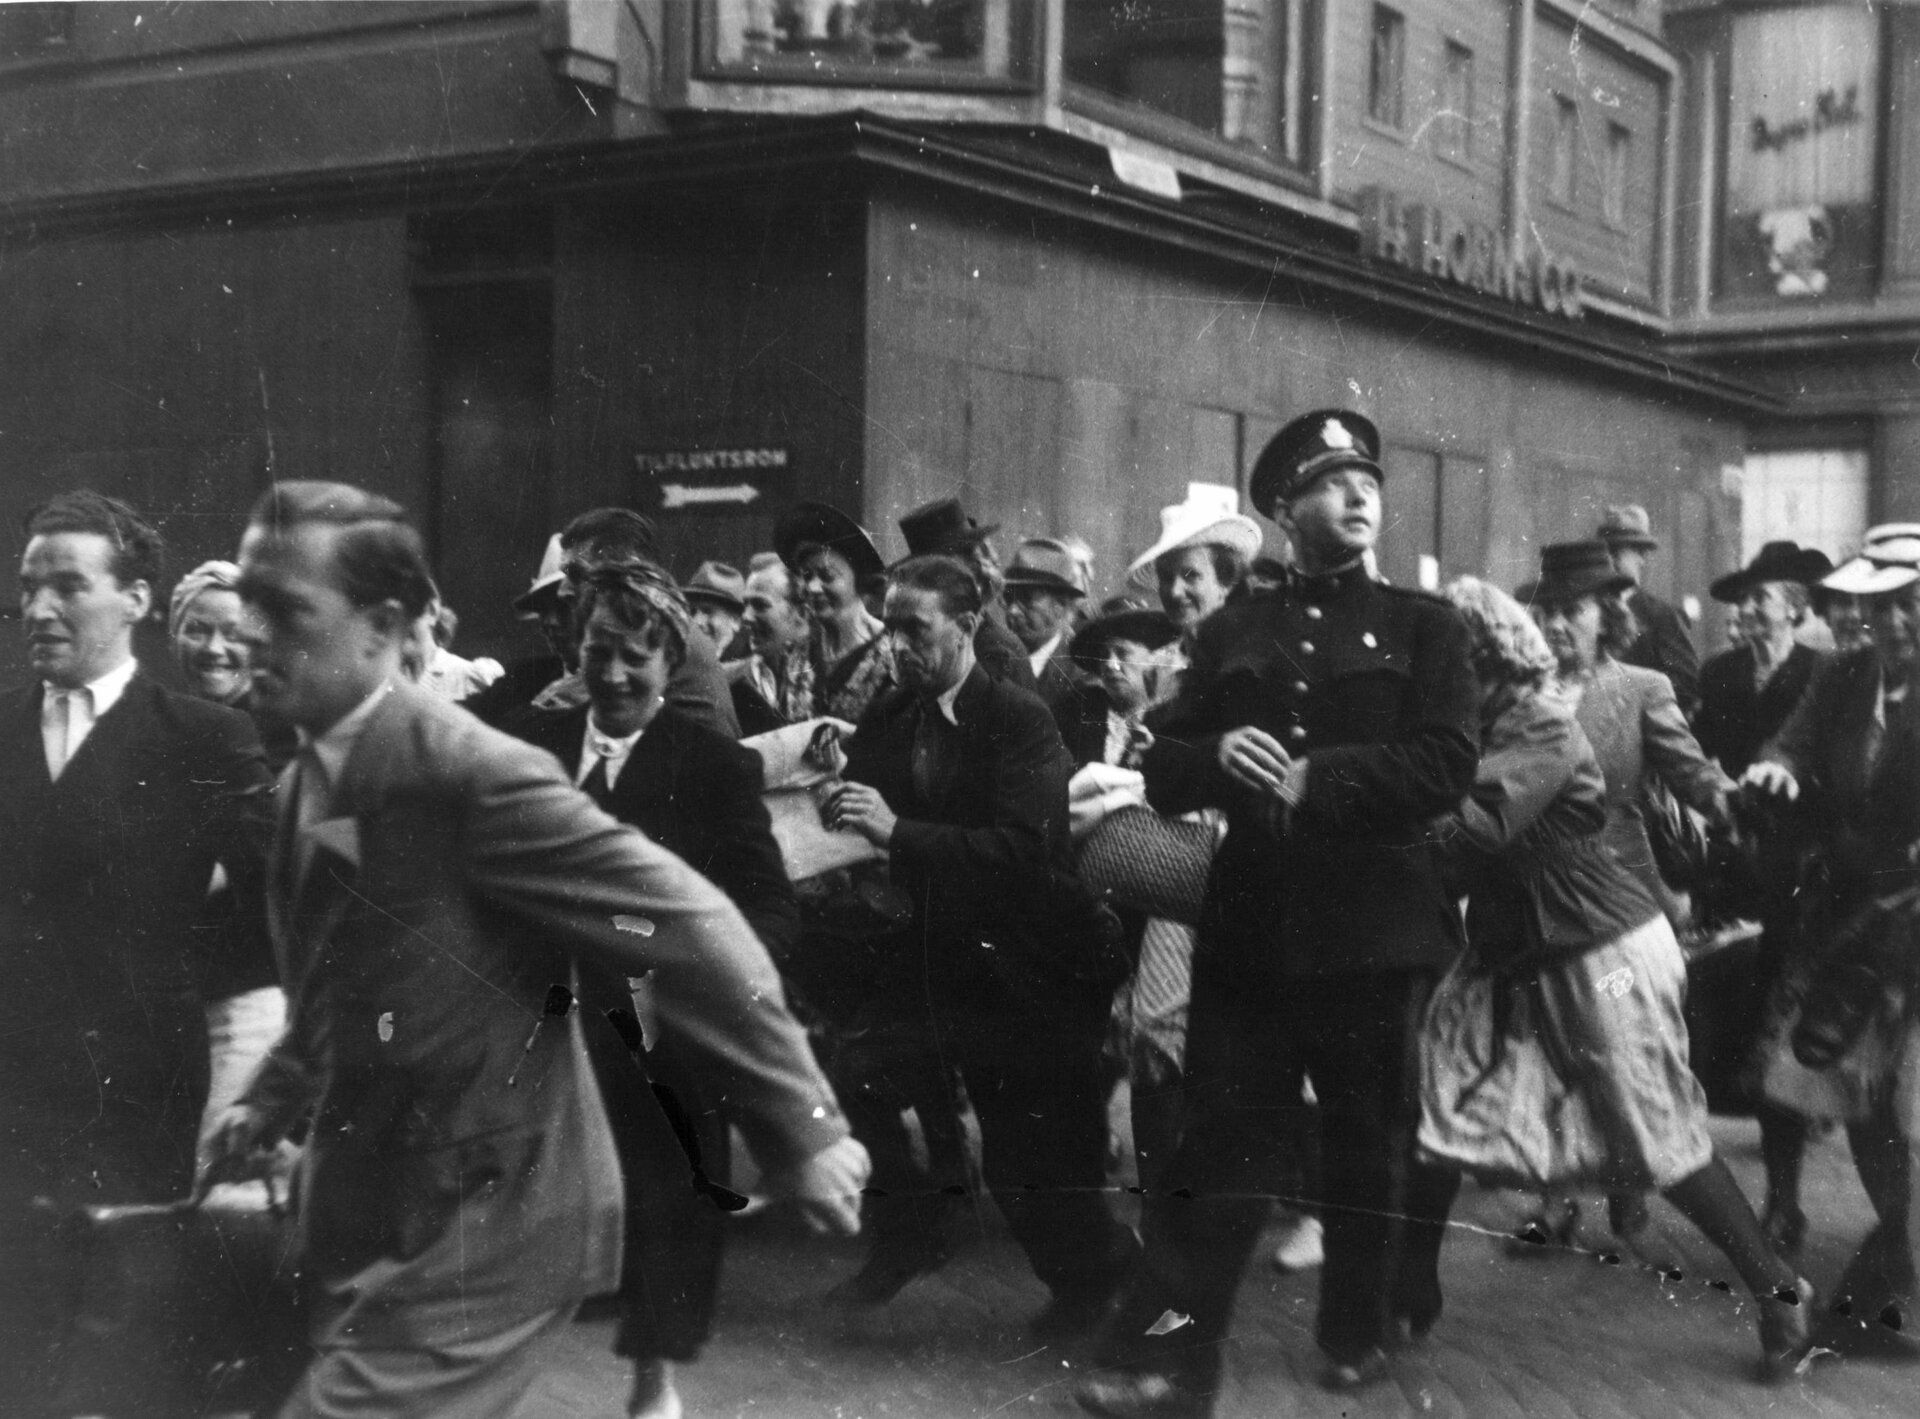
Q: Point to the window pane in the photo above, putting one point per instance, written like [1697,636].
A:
[1816,497]
[1613,195]
[1229,68]
[1386,68]
[899,42]
[1566,150]
[1453,124]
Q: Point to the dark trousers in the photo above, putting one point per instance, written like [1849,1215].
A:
[1248,1044]
[1037,1083]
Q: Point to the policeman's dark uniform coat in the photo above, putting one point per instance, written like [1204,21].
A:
[1323,930]
[1002,958]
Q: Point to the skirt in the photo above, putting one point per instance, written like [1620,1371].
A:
[1574,1075]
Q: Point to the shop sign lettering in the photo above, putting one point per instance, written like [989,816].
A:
[1830,110]
[1437,243]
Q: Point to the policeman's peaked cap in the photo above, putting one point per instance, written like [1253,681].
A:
[1325,441]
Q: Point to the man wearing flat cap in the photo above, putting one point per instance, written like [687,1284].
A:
[717,596]
[942,528]
[1664,643]
[1332,719]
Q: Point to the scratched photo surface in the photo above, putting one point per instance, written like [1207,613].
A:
[1161,708]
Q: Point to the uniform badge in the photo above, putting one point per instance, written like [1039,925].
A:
[1334,435]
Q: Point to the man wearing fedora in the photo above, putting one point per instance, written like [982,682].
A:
[1332,719]
[1042,594]
[1664,643]
[717,595]
[943,528]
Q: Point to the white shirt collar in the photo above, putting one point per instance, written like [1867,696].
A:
[597,745]
[333,748]
[947,697]
[104,692]
[1039,658]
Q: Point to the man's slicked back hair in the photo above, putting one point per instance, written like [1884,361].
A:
[949,578]
[138,551]
[378,556]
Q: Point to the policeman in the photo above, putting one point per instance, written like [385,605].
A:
[1332,719]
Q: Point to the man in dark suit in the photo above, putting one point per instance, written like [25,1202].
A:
[430,884]
[1042,596]
[1664,643]
[942,528]
[120,799]
[1332,720]
[963,781]
[697,794]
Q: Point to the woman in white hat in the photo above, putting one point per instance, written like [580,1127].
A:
[1206,544]
[1845,1036]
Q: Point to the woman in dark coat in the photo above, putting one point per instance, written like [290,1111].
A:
[1555,1052]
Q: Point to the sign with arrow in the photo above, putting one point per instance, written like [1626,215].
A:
[712,480]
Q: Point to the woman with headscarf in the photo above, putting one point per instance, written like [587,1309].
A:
[1555,1051]
[697,793]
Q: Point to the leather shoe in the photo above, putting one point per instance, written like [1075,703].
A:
[1786,1333]
[889,1267]
[1350,1376]
[1143,1394]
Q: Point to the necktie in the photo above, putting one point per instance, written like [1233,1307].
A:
[595,784]
[932,754]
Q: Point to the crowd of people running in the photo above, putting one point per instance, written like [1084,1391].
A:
[1350,890]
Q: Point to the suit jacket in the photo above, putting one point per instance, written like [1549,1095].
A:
[983,854]
[1059,685]
[998,651]
[1665,645]
[1735,719]
[1371,684]
[111,948]
[1864,802]
[697,794]
[1629,716]
[459,1168]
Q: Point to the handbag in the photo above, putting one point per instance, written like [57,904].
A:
[1145,860]
[189,1307]
[1682,851]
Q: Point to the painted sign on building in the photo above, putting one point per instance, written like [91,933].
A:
[1438,243]
[1803,127]
[713,480]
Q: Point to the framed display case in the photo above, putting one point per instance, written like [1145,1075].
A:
[932,44]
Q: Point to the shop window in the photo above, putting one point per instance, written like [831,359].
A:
[1231,69]
[1816,497]
[1453,122]
[1802,216]
[1387,68]
[1562,186]
[1615,176]
[896,43]
[34,30]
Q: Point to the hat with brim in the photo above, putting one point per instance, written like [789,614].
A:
[1122,620]
[1628,526]
[1571,570]
[1045,563]
[823,525]
[545,590]
[1890,561]
[1210,517]
[1777,561]
[943,527]
[716,584]
[1307,450]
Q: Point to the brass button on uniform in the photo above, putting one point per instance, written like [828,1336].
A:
[1313,613]
[1306,647]
[1299,687]
[1299,731]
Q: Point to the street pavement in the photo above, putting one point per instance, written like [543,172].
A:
[1590,1332]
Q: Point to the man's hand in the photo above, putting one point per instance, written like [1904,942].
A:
[827,1186]
[859,808]
[1772,778]
[238,1148]
[1254,759]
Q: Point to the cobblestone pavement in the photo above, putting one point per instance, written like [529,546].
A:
[1565,1334]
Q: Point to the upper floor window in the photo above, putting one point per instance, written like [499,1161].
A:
[1234,71]
[896,43]
[1387,68]
[1616,175]
[1562,175]
[1453,122]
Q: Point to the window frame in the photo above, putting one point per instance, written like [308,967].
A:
[1564,107]
[1397,124]
[1464,156]
[1026,63]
